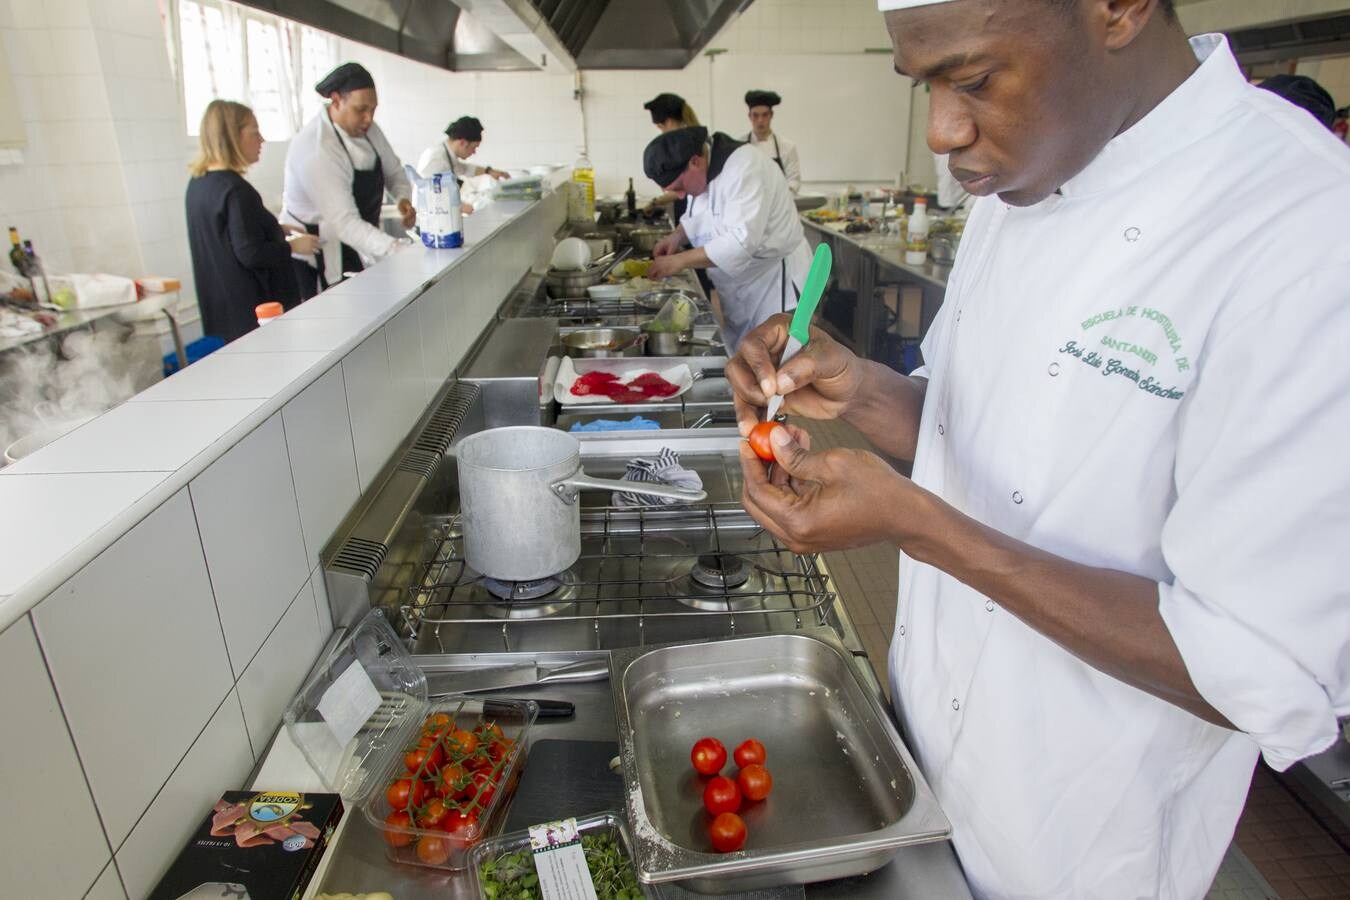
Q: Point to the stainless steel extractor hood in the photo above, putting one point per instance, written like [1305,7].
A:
[436,32]
[507,35]
[636,34]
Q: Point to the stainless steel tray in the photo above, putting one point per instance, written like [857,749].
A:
[846,793]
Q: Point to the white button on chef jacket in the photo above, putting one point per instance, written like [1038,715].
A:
[747,224]
[1150,373]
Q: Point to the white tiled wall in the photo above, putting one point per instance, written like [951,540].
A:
[155,677]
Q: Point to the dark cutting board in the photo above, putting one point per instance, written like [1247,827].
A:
[565,778]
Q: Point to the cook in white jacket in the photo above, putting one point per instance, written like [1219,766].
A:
[1119,573]
[339,167]
[762,136]
[741,225]
[462,138]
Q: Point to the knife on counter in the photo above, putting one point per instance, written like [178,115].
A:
[471,681]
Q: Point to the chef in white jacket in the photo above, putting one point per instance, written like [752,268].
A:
[339,167]
[1120,578]
[741,225]
[462,139]
[783,152]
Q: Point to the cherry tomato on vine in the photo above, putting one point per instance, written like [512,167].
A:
[433,850]
[397,819]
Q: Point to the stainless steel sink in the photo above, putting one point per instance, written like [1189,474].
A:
[847,794]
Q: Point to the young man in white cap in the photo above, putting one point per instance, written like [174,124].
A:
[763,138]
[1129,491]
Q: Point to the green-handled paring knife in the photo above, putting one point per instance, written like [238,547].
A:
[799,332]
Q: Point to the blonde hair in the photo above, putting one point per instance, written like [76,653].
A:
[222,125]
[687,114]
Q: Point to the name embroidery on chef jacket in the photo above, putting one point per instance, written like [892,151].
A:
[1148,365]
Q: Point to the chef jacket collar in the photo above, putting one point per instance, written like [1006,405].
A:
[1193,110]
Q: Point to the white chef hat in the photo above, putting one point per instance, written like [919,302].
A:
[888,5]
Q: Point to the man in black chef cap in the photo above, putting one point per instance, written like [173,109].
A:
[462,138]
[741,225]
[339,167]
[782,151]
[1304,93]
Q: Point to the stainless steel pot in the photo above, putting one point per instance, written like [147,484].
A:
[644,240]
[671,343]
[654,300]
[561,283]
[602,343]
[518,491]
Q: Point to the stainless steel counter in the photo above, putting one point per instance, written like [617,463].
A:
[928,871]
[863,303]
[66,322]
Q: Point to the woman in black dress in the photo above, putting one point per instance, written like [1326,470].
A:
[241,256]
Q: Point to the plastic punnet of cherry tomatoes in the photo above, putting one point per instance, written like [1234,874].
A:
[721,795]
[727,833]
[708,755]
[433,849]
[395,820]
[754,781]
[749,753]
[759,439]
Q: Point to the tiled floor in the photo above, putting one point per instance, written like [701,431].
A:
[1287,846]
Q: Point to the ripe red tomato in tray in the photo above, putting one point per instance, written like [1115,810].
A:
[433,850]
[721,795]
[708,755]
[727,833]
[398,819]
[749,753]
[754,781]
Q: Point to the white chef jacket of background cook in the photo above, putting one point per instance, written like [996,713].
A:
[747,224]
[318,189]
[786,151]
[1204,251]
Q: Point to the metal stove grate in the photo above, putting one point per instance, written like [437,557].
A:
[788,586]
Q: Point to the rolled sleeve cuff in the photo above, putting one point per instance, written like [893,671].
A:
[727,254]
[1253,682]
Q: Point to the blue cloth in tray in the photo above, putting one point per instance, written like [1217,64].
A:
[637,423]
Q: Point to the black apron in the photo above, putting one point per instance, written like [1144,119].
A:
[777,154]
[368,192]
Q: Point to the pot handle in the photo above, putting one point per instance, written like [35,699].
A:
[568,488]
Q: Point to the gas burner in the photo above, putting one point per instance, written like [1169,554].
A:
[528,599]
[522,590]
[720,571]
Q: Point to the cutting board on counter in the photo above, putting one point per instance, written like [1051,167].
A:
[565,778]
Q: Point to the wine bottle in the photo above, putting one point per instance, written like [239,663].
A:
[16,257]
[630,196]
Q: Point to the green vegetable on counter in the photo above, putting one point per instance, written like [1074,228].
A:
[512,875]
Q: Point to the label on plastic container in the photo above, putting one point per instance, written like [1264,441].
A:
[560,861]
[349,703]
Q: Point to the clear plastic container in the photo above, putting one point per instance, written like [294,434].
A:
[366,708]
[605,823]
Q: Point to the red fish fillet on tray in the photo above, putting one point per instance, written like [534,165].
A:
[646,386]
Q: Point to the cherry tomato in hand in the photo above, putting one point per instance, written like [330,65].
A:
[759,439]
[754,781]
[708,756]
[397,819]
[727,833]
[432,850]
[749,753]
[721,796]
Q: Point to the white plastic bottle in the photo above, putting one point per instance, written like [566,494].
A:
[916,234]
[583,179]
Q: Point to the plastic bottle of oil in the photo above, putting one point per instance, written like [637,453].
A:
[583,180]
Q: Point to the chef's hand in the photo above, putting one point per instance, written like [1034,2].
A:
[667,246]
[499,174]
[818,383]
[665,266]
[834,500]
[466,208]
[303,243]
[405,207]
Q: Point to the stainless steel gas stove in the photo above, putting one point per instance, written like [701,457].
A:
[645,575]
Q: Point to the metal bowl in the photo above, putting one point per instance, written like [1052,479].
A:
[602,343]
[560,283]
[644,240]
[654,300]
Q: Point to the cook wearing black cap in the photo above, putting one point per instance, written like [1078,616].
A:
[780,150]
[741,225]
[339,167]
[462,138]
[1303,92]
